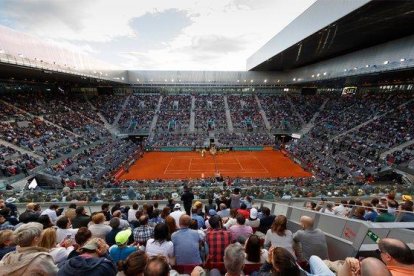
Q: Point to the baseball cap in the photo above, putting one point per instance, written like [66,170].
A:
[253,213]
[212,212]
[123,236]
[407,198]
[91,245]
[177,206]
[11,200]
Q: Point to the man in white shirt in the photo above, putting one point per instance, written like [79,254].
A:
[341,210]
[51,212]
[177,214]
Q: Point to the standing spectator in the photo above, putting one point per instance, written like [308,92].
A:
[28,256]
[217,240]
[235,199]
[143,232]
[160,245]
[120,251]
[186,243]
[313,241]
[98,228]
[240,230]
[81,219]
[51,212]
[187,198]
[279,236]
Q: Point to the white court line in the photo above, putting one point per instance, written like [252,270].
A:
[239,163]
[212,171]
[261,164]
[189,165]
[171,158]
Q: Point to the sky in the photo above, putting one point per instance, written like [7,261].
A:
[209,35]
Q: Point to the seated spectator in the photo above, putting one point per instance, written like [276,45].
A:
[407,208]
[172,227]
[81,238]
[120,251]
[134,265]
[209,206]
[98,228]
[243,210]
[282,262]
[64,229]
[93,261]
[224,211]
[367,267]
[217,240]
[28,256]
[313,241]
[383,214]
[254,252]
[4,224]
[144,232]
[234,259]
[160,244]
[329,209]
[397,256]
[186,243]
[240,230]
[29,215]
[105,211]
[232,219]
[6,242]
[132,211]
[341,209]
[266,221]
[115,229]
[81,219]
[370,213]
[359,213]
[158,266]
[279,235]
[177,213]
[59,252]
[45,221]
[253,221]
[123,224]
[51,212]
[198,218]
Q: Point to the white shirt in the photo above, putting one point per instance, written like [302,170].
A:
[155,248]
[60,254]
[131,214]
[99,230]
[341,210]
[61,234]
[176,215]
[52,215]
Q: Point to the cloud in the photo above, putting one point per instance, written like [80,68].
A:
[217,44]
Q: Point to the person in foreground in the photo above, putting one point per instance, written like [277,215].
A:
[28,259]
[93,260]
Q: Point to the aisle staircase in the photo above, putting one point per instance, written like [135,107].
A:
[155,119]
[192,114]
[261,111]
[118,116]
[308,127]
[228,116]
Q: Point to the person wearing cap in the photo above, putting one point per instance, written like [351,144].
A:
[120,251]
[29,258]
[177,213]
[253,221]
[217,239]
[198,218]
[93,261]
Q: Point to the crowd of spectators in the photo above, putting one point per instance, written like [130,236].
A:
[13,162]
[109,105]
[244,112]
[138,113]
[210,112]
[174,113]
[229,235]
[279,112]
[307,105]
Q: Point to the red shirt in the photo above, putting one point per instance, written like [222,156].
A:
[217,240]
[244,212]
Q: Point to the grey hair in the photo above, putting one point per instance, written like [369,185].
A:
[234,258]
[25,234]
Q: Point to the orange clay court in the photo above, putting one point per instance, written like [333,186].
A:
[182,165]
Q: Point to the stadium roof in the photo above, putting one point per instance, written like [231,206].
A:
[333,28]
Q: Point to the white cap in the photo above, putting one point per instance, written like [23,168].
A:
[253,213]
[177,206]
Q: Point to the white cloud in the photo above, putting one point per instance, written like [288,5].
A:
[221,36]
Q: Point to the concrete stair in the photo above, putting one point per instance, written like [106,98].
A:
[228,116]
[261,111]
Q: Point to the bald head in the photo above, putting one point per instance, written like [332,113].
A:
[185,221]
[395,252]
[306,222]
[373,266]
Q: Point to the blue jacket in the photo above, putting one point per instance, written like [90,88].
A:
[80,265]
